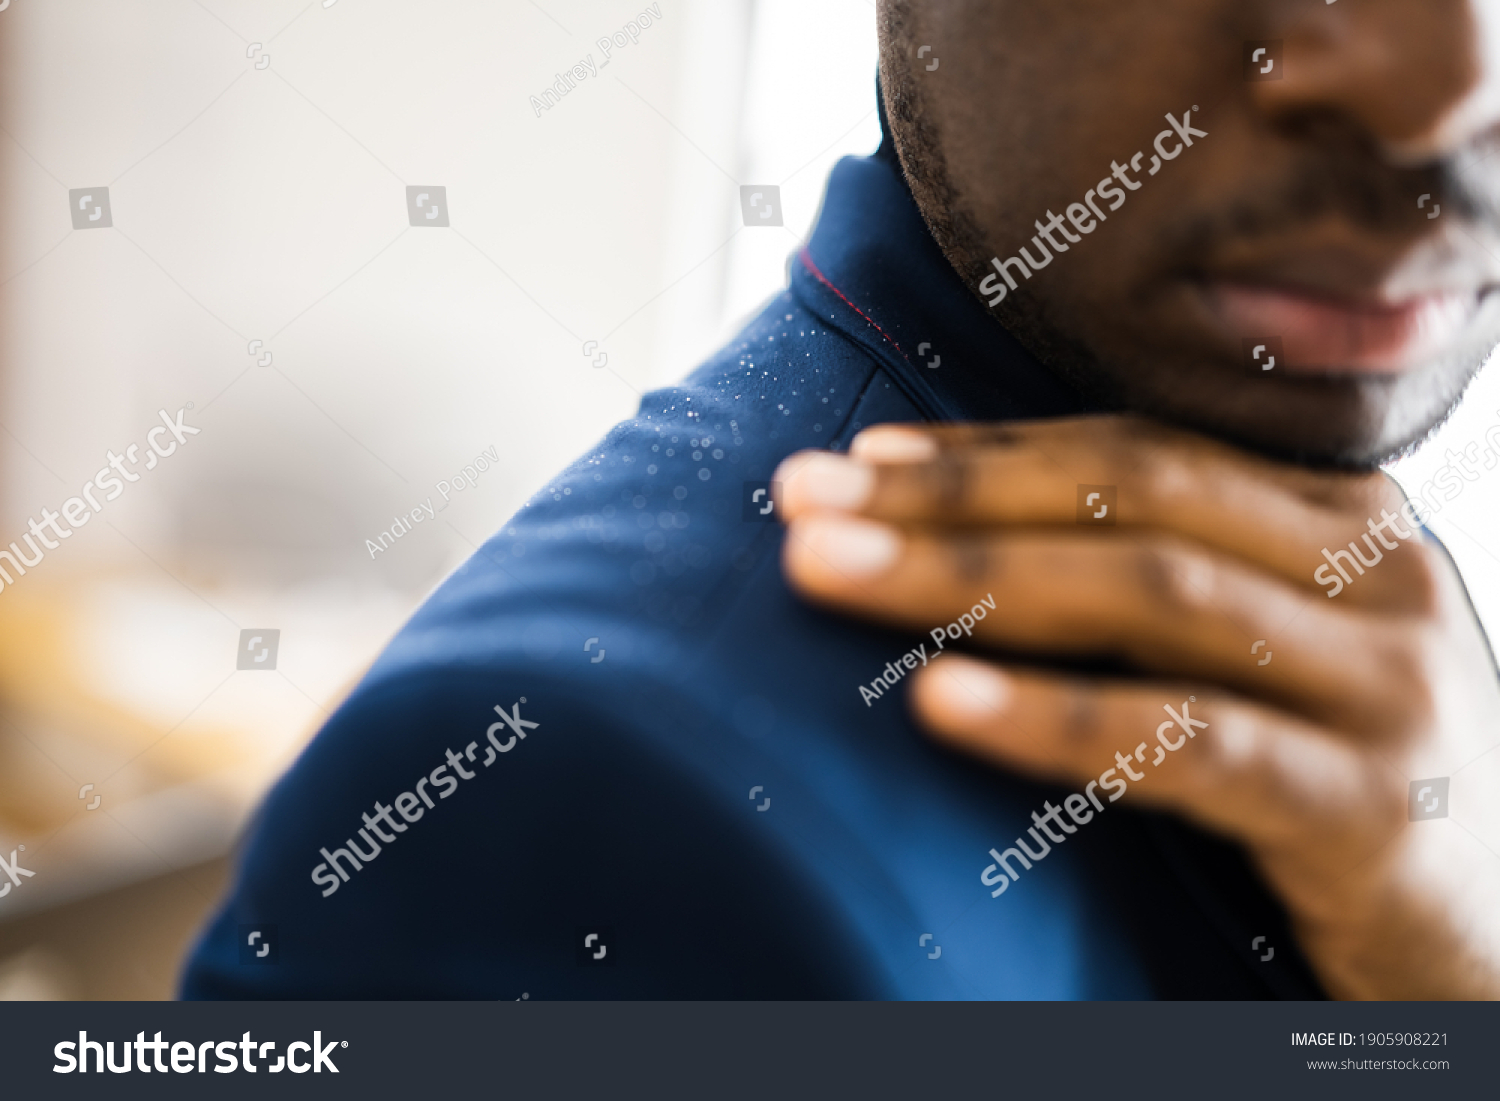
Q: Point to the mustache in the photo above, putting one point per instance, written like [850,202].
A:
[1356,185]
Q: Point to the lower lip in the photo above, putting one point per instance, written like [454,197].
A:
[1326,336]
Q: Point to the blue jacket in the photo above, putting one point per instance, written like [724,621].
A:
[700,804]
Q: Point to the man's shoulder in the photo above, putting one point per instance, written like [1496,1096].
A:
[655,532]
[542,734]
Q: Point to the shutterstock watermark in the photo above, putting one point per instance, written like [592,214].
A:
[1001,875]
[1086,216]
[1421,507]
[409,804]
[13,871]
[188,1057]
[78,511]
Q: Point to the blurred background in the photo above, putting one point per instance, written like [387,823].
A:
[240,244]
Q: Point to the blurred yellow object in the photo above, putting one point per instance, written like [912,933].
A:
[67,721]
[132,749]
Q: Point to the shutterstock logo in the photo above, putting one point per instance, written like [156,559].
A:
[259,944]
[761,204]
[758,503]
[1262,353]
[258,646]
[1263,60]
[1428,799]
[188,1057]
[427,205]
[90,207]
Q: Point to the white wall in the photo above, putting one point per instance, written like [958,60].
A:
[269,203]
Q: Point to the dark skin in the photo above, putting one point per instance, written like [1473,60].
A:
[1299,209]
[1308,183]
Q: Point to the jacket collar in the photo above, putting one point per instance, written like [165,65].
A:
[873,271]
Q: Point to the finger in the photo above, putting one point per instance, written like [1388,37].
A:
[1122,441]
[1228,764]
[1279,518]
[1159,603]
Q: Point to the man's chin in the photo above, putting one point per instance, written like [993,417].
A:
[1323,421]
[1355,389]
[1354,419]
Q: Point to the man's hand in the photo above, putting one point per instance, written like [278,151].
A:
[1307,758]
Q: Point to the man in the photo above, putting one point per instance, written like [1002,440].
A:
[614,756]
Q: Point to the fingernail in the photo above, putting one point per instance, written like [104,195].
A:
[834,481]
[855,548]
[894,444]
[971,689]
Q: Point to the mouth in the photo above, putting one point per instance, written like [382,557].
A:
[1327,334]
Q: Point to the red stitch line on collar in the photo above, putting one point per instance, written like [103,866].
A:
[810,266]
